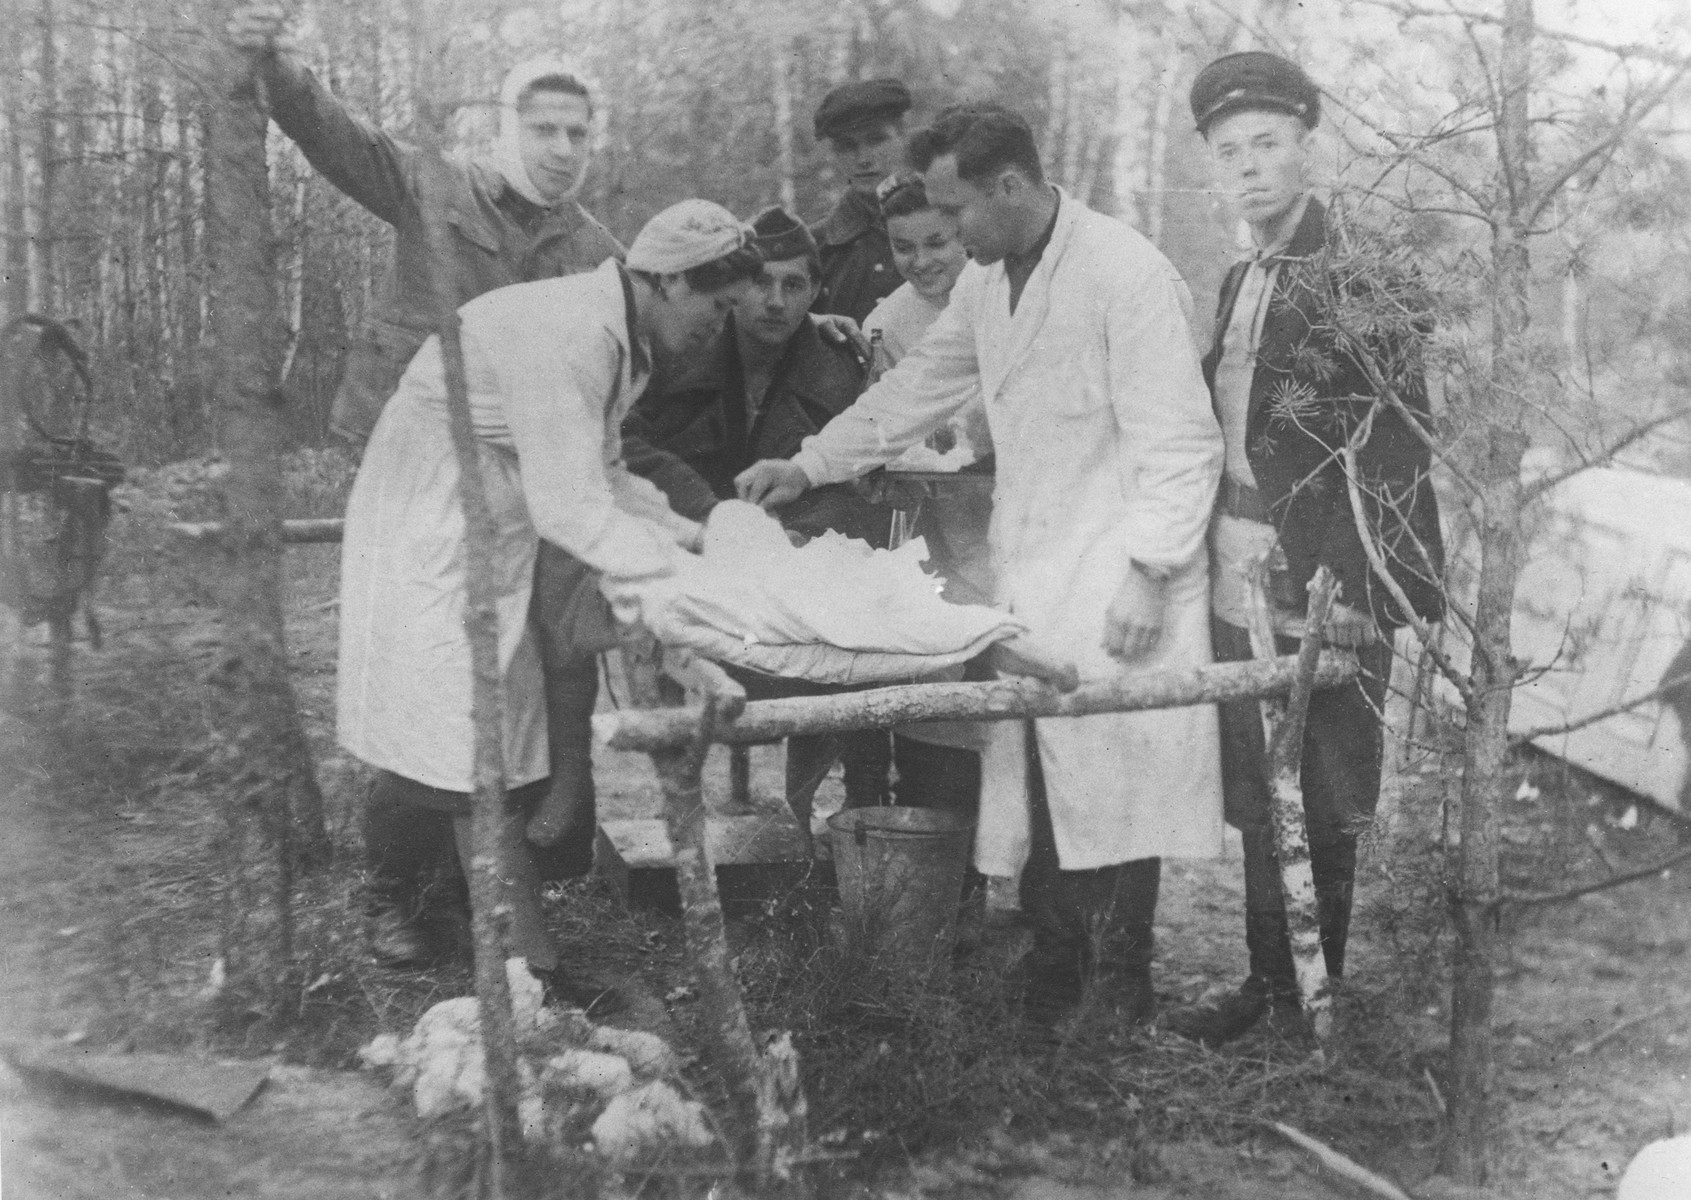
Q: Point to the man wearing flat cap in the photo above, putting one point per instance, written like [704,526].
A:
[1284,494]
[862,124]
[769,381]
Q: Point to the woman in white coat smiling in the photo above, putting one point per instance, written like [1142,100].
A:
[552,367]
[1075,331]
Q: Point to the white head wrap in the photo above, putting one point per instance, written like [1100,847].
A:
[687,235]
[508,152]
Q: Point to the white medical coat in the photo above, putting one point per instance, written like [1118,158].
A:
[551,370]
[1108,452]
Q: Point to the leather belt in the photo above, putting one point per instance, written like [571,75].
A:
[1241,500]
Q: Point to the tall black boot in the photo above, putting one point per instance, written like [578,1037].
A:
[1333,903]
[572,691]
[413,872]
[1123,909]
[1272,985]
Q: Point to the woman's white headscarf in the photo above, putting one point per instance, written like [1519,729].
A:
[508,152]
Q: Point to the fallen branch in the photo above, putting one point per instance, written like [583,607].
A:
[995,700]
[1433,1087]
[299,531]
[1331,1160]
[1531,899]
[1626,1026]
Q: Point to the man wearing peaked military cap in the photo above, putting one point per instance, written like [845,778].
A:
[1254,80]
[1284,494]
[863,125]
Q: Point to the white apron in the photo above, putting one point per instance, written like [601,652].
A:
[1108,452]
[551,371]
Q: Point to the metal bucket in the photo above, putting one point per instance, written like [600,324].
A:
[900,872]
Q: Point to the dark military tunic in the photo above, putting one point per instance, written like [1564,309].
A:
[695,435]
[857,266]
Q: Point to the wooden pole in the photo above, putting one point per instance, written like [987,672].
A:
[487,701]
[768,1101]
[295,531]
[274,810]
[996,700]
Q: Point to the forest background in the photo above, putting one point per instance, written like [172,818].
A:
[1538,177]
[105,125]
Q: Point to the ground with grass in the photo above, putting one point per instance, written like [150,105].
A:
[109,906]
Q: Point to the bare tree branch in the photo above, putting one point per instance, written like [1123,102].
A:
[1382,572]
[1638,433]
[1536,899]
[1619,49]
[1606,146]
[1603,714]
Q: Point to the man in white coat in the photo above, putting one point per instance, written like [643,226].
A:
[1075,331]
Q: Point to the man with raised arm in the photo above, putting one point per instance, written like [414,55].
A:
[1290,392]
[1074,331]
[513,218]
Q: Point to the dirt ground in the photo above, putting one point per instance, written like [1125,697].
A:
[109,932]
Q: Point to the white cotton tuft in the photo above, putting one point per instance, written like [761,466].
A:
[647,1121]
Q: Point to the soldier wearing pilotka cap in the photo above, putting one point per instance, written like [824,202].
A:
[862,124]
[1284,494]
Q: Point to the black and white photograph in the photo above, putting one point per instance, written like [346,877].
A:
[845,600]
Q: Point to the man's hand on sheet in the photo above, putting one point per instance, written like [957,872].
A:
[1134,623]
[259,28]
[1022,655]
[843,331]
[772,482]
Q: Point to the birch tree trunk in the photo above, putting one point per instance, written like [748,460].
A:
[274,813]
[16,295]
[781,68]
[1473,875]
[47,163]
[1156,153]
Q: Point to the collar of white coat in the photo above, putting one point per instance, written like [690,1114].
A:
[1035,301]
[1068,218]
[508,150]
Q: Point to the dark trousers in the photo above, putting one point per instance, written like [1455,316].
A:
[1087,922]
[865,754]
[408,841]
[410,853]
[935,776]
[572,623]
[1343,745]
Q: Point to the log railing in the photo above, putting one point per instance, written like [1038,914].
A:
[995,700]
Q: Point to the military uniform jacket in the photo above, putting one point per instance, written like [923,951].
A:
[694,436]
[498,237]
[857,267]
[1295,455]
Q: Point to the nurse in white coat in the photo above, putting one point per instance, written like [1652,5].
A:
[552,367]
[1075,331]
